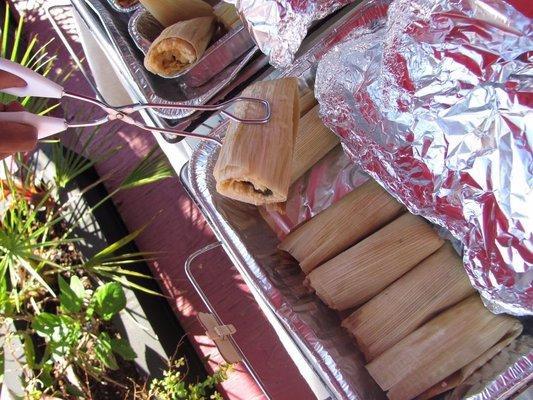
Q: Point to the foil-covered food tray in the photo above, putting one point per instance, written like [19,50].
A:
[228,47]
[101,15]
[251,243]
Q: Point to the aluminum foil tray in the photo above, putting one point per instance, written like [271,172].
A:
[252,245]
[116,6]
[149,87]
[331,352]
[224,51]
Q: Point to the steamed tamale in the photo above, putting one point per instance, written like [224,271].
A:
[359,214]
[179,46]
[314,141]
[362,271]
[307,101]
[254,164]
[168,12]
[435,284]
[227,15]
[466,333]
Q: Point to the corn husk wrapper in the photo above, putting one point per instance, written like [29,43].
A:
[314,141]
[435,284]
[254,164]
[359,214]
[362,271]
[307,101]
[179,46]
[227,15]
[461,337]
[168,12]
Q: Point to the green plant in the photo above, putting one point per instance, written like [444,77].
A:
[31,54]
[173,387]
[76,336]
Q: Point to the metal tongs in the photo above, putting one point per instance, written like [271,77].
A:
[39,86]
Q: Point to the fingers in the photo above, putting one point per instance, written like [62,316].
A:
[17,137]
[8,80]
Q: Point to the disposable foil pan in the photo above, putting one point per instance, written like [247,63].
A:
[252,245]
[101,16]
[229,47]
[330,351]
[116,6]
[316,330]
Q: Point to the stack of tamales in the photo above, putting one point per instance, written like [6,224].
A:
[419,324]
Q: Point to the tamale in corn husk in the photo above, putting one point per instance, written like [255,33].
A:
[314,141]
[307,101]
[462,336]
[435,284]
[227,15]
[179,46]
[357,215]
[362,271]
[254,164]
[168,12]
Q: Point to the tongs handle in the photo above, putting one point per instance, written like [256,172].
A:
[36,84]
[45,126]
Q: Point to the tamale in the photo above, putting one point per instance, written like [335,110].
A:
[227,15]
[307,101]
[362,271]
[357,215]
[314,141]
[168,12]
[464,373]
[435,284]
[254,164]
[439,348]
[179,46]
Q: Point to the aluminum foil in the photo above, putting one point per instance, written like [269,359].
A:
[510,368]
[436,106]
[279,26]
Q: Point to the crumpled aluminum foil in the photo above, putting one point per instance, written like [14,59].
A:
[436,106]
[279,26]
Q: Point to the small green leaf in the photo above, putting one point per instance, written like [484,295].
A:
[29,350]
[45,376]
[74,391]
[123,349]
[108,300]
[104,351]
[69,299]
[2,365]
[77,287]
[61,331]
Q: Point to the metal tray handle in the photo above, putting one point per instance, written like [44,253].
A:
[222,331]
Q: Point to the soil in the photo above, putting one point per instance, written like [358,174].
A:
[126,378]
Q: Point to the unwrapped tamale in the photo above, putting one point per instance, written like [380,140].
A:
[179,46]
[254,164]
[357,215]
[168,12]
[362,271]
[464,336]
[435,284]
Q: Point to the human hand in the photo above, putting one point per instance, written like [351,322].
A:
[14,137]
